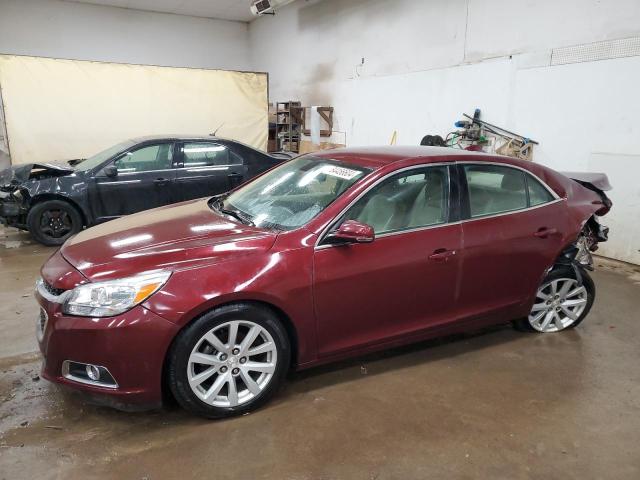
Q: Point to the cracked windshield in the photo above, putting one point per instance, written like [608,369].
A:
[292,194]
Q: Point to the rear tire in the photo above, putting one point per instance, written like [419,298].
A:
[561,303]
[52,222]
[229,361]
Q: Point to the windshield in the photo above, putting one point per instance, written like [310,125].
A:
[292,194]
[98,158]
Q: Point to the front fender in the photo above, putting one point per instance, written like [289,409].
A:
[281,279]
[69,189]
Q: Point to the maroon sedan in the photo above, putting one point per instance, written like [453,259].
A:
[324,257]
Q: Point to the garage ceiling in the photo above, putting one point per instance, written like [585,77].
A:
[225,9]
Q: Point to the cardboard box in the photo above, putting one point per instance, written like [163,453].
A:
[307,147]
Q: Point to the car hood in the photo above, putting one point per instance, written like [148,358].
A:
[18,174]
[177,236]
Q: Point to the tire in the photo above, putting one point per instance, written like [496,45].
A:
[52,222]
[571,307]
[215,380]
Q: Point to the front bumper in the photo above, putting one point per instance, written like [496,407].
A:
[12,213]
[132,346]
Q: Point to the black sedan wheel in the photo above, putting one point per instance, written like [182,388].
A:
[53,221]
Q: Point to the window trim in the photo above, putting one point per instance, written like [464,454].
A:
[451,212]
[465,199]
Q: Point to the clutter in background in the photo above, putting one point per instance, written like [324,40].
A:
[478,135]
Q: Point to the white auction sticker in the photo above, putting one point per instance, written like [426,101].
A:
[340,172]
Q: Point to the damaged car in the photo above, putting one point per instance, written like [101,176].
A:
[57,200]
[327,256]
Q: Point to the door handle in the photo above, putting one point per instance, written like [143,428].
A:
[442,255]
[161,181]
[545,232]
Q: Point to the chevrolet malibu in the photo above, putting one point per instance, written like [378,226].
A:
[321,258]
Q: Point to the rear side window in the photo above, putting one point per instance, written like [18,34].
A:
[208,155]
[538,194]
[495,189]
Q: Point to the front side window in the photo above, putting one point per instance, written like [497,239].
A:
[494,189]
[292,194]
[207,155]
[413,199]
[145,159]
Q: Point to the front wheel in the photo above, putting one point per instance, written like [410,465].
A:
[229,361]
[562,302]
[52,222]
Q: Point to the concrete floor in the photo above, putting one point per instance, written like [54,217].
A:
[498,404]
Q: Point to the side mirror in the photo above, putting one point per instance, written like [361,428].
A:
[352,232]
[110,171]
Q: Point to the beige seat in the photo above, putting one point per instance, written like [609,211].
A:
[428,207]
[378,212]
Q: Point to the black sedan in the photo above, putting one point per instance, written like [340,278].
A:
[54,201]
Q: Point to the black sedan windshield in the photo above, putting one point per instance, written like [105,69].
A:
[98,158]
[294,193]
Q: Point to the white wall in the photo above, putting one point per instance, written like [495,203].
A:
[59,29]
[428,61]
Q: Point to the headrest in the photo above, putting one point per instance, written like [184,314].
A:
[514,183]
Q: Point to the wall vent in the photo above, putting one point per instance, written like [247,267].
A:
[591,52]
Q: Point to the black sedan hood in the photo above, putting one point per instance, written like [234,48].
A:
[18,174]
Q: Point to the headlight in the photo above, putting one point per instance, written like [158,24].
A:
[106,299]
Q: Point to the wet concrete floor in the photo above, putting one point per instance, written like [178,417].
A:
[497,404]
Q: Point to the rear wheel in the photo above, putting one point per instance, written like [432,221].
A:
[52,222]
[229,361]
[562,301]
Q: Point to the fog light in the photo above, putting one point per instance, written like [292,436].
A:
[93,372]
[88,373]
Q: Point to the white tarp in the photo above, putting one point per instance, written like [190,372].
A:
[62,109]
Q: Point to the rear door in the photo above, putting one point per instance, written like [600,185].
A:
[206,169]
[145,180]
[512,226]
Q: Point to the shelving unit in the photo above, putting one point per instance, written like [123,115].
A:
[288,126]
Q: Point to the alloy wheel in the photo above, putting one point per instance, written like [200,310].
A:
[559,304]
[55,223]
[232,364]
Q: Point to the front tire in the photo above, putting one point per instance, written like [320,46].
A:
[52,222]
[562,302]
[229,361]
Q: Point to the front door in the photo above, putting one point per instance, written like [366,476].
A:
[206,169]
[403,282]
[145,179]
